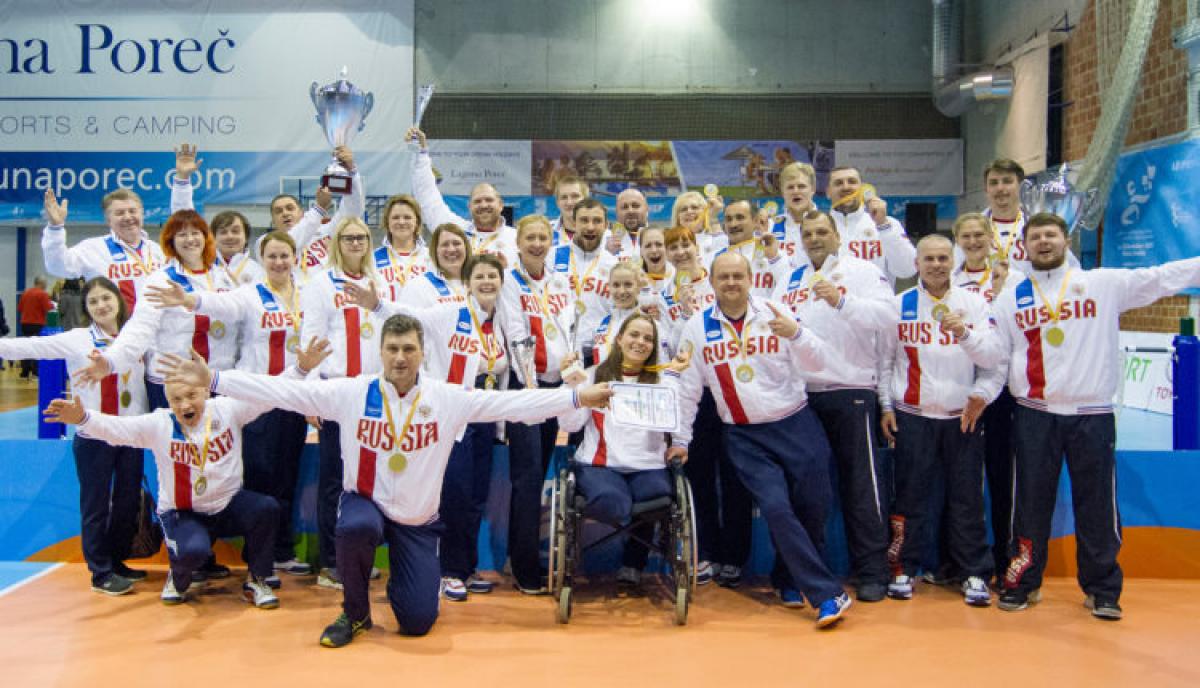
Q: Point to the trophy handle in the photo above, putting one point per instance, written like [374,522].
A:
[1026,195]
[312,94]
[368,103]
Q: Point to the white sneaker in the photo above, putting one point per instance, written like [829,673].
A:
[454,589]
[259,593]
[975,592]
[482,586]
[328,578]
[294,567]
[704,573]
[169,594]
[900,588]
[627,575]
[376,574]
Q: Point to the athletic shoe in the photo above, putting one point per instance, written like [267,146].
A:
[129,574]
[376,574]
[1103,609]
[939,577]
[542,588]
[257,592]
[113,585]
[704,573]
[342,631]
[1016,600]
[629,576]
[294,567]
[170,595]
[479,586]
[871,592]
[976,593]
[730,576]
[329,579]
[453,589]
[831,610]
[273,581]
[213,570]
[900,588]
[791,598]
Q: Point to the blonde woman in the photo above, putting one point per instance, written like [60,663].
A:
[443,281]
[403,255]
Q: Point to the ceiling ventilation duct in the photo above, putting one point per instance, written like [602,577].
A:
[955,93]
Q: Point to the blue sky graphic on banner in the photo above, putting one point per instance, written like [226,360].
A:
[745,168]
[1152,211]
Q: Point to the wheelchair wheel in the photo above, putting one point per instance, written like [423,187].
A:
[684,523]
[563,613]
[681,606]
[561,495]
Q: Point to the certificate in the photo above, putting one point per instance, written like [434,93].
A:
[646,407]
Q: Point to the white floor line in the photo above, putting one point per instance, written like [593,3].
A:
[26,581]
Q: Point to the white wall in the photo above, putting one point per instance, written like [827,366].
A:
[671,46]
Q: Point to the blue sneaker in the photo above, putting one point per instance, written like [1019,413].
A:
[831,610]
[791,598]
[454,590]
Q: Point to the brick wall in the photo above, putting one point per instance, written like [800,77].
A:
[1161,110]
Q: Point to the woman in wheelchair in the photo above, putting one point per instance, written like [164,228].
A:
[616,469]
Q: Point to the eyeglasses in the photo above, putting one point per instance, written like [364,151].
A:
[354,239]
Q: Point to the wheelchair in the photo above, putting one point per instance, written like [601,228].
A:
[676,543]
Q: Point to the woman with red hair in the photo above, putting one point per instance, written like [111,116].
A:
[191,252]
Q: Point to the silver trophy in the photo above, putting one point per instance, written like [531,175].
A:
[342,109]
[1058,196]
[522,354]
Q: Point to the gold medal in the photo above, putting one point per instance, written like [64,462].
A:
[580,307]
[745,373]
[397,462]
[1055,336]
[217,329]
[201,486]
[551,331]
[293,344]
[940,311]
[126,399]
[366,330]
[489,382]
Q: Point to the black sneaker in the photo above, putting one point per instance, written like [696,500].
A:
[342,631]
[871,592]
[211,570]
[1017,600]
[1103,609]
[114,585]
[132,574]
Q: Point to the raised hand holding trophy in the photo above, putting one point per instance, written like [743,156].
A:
[342,110]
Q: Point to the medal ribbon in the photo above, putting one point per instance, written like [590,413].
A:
[857,197]
[292,305]
[488,351]
[583,278]
[204,447]
[1056,309]
[387,411]
[1005,248]
[543,298]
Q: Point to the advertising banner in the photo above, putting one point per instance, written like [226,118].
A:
[1152,214]
[906,167]
[94,101]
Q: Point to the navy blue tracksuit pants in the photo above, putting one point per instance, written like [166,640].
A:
[529,450]
[329,491]
[927,448]
[414,577]
[998,460]
[271,448]
[110,481]
[189,534]
[785,467]
[1088,441]
[723,507]
[850,417]
[610,496]
[464,496]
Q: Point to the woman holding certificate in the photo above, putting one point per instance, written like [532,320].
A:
[537,311]
[617,468]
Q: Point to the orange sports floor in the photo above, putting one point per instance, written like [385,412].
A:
[55,631]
